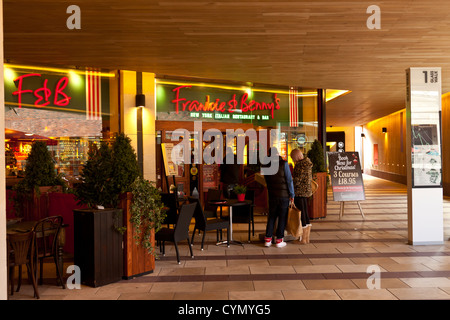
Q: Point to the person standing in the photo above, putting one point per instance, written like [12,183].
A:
[302,177]
[229,173]
[280,189]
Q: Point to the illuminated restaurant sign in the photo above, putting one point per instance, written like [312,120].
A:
[83,92]
[242,104]
[191,101]
[42,94]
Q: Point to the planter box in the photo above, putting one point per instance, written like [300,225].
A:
[98,246]
[317,204]
[137,261]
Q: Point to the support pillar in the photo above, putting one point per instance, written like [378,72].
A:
[424,156]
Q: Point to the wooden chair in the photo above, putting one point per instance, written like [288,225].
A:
[180,232]
[202,223]
[21,251]
[47,232]
[244,214]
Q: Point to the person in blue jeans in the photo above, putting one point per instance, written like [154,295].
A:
[280,189]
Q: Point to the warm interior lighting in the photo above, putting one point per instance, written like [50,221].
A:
[57,70]
[335,93]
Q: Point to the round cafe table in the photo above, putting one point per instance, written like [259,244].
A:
[230,203]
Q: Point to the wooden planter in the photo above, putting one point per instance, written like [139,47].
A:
[98,246]
[137,261]
[317,204]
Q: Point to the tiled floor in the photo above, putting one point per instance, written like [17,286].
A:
[336,265]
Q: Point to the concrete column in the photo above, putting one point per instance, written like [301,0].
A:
[3,267]
[129,117]
[149,132]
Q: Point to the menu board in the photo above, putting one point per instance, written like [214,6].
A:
[346,176]
[170,166]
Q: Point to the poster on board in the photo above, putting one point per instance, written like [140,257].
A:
[346,176]
[170,166]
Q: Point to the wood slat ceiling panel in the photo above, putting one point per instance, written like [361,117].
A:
[302,43]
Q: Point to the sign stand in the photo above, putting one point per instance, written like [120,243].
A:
[424,156]
[341,211]
[346,179]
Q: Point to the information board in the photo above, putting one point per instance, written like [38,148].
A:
[424,107]
[346,176]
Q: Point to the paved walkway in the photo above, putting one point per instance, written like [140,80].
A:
[334,265]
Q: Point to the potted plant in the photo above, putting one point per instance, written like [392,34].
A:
[40,178]
[98,247]
[147,213]
[317,206]
[240,191]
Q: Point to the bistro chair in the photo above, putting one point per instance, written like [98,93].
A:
[47,232]
[21,251]
[212,195]
[244,214]
[180,232]
[202,223]
[170,201]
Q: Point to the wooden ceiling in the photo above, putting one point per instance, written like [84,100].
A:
[319,44]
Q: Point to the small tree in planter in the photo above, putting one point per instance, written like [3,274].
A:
[111,178]
[317,204]
[40,176]
[97,188]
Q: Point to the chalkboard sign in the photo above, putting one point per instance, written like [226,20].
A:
[346,176]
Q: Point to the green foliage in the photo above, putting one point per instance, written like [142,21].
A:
[97,187]
[39,171]
[124,162]
[317,157]
[240,189]
[109,171]
[147,212]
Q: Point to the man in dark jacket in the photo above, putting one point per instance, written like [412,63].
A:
[281,191]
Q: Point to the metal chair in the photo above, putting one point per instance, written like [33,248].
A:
[180,232]
[210,210]
[244,214]
[21,251]
[204,224]
[171,202]
[47,232]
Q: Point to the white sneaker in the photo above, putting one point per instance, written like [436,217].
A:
[267,242]
[281,244]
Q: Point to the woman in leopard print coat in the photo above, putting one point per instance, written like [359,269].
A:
[302,177]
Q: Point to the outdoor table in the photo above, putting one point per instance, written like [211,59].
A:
[27,226]
[230,203]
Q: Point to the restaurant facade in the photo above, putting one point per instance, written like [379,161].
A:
[71,108]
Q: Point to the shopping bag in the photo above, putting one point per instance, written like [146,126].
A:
[294,221]
[314,186]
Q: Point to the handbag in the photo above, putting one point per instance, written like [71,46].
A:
[314,186]
[294,221]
